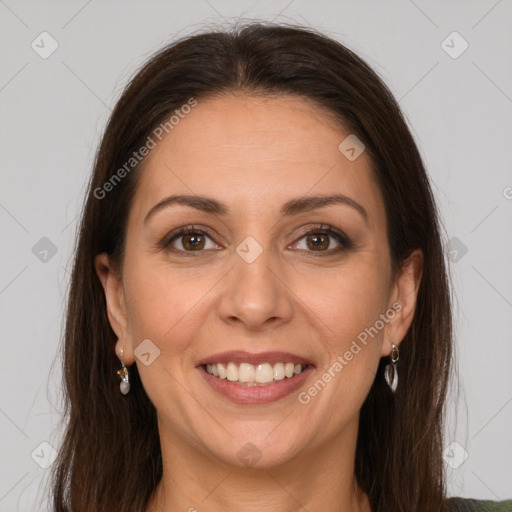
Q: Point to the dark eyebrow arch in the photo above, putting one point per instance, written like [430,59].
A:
[305,204]
[292,207]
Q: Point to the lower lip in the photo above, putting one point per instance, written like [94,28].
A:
[241,394]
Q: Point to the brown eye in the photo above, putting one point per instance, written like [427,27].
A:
[324,240]
[193,242]
[318,241]
[189,240]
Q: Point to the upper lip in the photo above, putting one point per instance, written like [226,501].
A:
[240,356]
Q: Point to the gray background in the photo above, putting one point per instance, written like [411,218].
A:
[53,111]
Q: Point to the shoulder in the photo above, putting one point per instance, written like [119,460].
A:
[471,505]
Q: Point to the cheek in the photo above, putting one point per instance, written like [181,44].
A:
[345,300]
[161,304]
[345,308]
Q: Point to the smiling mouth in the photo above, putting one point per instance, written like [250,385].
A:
[246,374]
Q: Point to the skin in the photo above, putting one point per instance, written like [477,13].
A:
[254,154]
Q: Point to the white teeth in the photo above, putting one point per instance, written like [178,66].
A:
[248,374]
[264,374]
[221,370]
[232,372]
[279,371]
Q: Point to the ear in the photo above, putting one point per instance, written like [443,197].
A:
[404,295]
[116,307]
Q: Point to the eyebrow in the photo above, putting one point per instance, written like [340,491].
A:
[292,207]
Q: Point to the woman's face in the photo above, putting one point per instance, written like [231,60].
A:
[259,275]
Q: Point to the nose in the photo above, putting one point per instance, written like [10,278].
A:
[254,295]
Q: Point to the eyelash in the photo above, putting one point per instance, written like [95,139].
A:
[320,229]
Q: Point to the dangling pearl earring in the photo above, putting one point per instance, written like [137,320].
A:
[390,373]
[124,386]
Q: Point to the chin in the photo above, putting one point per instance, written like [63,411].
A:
[261,451]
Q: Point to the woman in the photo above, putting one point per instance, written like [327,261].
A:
[259,314]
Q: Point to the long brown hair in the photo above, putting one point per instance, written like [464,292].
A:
[110,457]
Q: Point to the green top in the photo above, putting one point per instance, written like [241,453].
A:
[470,505]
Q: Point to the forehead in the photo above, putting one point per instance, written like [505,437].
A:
[252,152]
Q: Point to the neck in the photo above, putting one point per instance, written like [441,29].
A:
[319,479]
